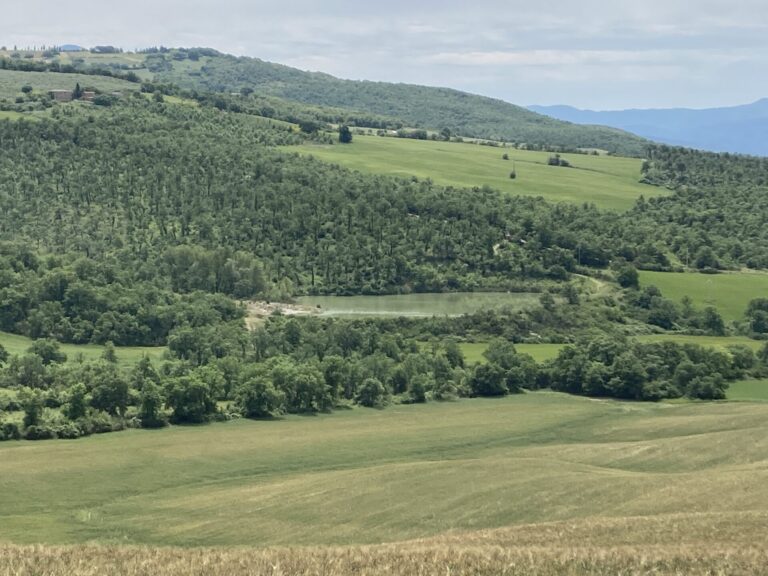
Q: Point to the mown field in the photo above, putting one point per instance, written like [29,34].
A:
[418,305]
[16,344]
[366,477]
[11,82]
[730,292]
[609,182]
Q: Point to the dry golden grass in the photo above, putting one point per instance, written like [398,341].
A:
[674,545]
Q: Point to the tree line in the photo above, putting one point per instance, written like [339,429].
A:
[291,365]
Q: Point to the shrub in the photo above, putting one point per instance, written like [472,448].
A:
[10,431]
[372,394]
[488,380]
[39,432]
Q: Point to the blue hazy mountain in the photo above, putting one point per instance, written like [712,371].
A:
[741,129]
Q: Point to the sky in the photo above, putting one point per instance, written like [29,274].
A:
[596,54]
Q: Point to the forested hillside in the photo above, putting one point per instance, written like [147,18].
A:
[717,217]
[143,222]
[194,199]
[137,180]
[419,106]
[207,71]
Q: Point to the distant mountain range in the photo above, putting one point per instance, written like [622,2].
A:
[740,129]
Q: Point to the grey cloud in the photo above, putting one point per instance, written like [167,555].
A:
[589,53]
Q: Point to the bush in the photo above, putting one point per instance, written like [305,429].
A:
[39,432]
[10,431]
[258,398]
[488,380]
[105,100]
[372,394]
[98,423]
[191,400]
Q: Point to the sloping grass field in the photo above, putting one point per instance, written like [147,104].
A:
[729,292]
[363,477]
[11,82]
[608,182]
[16,344]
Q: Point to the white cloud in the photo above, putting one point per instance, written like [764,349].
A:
[622,53]
[580,57]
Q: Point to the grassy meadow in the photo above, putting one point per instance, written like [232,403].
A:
[720,342]
[16,344]
[418,305]
[729,292]
[473,351]
[11,82]
[363,476]
[749,391]
[609,182]
[12,115]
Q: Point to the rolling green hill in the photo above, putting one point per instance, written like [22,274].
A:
[606,181]
[419,106]
[207,70]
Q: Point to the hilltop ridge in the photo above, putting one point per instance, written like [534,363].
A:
[434,108]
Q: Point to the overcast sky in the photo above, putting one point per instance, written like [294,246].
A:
[598,54]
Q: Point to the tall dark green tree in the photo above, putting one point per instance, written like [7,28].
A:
[345,134]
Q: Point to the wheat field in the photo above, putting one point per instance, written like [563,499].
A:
[659,546]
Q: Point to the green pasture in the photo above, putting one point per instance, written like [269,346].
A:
[126,355]
[721,342]
[473,351]
[364,476]
[749,390]
[11,115]
[418,305]
[11,82]
[609,182]
[729,292]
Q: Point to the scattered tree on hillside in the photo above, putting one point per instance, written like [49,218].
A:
[345,134]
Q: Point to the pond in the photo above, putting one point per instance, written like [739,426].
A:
[418,305]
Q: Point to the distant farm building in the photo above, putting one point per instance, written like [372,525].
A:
[61,95]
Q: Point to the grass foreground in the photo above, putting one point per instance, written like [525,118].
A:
[365,477]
